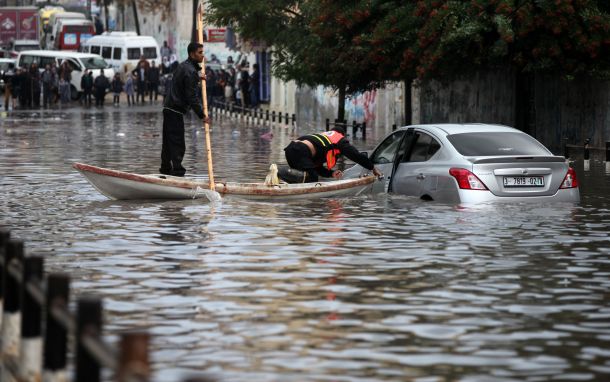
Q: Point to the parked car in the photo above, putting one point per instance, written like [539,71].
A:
[470,163]
[20,45]
[78,62]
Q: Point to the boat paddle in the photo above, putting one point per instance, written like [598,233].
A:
[212,195]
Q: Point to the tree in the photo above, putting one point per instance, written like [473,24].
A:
[304,49]
[360,44]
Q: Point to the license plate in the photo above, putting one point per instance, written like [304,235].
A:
[523,181]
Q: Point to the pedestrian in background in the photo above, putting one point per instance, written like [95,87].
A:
[117,88]
[86,83]
[129,91]
[166,51]
[48,80]
[36,84]
[254,98]
[16,87]
[153,80]
[140,74]
[100,84]
[8,86]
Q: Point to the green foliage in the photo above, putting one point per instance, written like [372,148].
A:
[363,43]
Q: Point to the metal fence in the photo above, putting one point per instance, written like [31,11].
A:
[29,302]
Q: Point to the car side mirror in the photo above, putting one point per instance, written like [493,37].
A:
[365,153]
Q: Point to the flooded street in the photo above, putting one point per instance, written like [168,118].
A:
[370,288]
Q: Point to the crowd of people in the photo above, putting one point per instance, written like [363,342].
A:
[233,83]
[27,88]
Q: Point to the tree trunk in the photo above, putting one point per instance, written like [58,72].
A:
[525,110]
[408,102]
[194,31]
[341,111]
[135,16]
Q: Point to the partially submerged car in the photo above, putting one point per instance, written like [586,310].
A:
[470,163]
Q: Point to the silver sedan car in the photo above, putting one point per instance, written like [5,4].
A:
[470,163]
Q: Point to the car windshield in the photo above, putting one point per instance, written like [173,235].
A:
[496,143]
[95,63]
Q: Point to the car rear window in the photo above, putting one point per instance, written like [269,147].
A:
[496,143]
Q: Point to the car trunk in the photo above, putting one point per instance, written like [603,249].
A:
[522,175]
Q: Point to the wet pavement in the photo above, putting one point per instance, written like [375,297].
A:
[370,288]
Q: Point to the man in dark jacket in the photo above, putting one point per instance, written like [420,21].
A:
[181,97]
[100,84]
[153,80]
[309,153]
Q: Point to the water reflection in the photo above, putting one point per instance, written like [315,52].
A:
[359,289]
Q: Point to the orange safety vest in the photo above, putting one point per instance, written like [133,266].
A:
[329,140]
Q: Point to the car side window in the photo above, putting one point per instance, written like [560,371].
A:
[44,61]
[116,55]
[95,49]
[133,53]
[26,60]
[424,148]
[106,51]
[73,65]
[387,149]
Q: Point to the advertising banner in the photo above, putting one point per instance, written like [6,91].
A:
[216,35]
[27,24]
[8,25]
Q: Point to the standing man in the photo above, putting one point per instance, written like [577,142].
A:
[181,97]
[153,80]
[141,72]
[48,80]
[100,84]
[254,98]
[166,52]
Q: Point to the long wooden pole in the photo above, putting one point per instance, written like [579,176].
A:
[206,126]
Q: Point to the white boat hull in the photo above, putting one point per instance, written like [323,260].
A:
[121,185]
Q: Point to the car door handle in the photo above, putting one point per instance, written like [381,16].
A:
[421,176]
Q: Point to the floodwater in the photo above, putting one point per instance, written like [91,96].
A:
[371,288]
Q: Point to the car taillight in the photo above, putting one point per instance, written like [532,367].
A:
[466,179]
[570,180]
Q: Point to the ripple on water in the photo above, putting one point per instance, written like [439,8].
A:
[357,289]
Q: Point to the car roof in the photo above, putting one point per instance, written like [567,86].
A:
[128,40]
[76,22]
[58,53]
[9,60]
[460,128]
[26,42]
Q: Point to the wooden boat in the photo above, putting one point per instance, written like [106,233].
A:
[121,185]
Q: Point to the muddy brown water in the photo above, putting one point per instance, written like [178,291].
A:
[371,288]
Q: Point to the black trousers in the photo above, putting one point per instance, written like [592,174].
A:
[173,148]
[299,157]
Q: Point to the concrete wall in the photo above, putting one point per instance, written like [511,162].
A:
[576,109]
[381,107]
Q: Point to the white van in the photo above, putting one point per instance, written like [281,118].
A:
[78,62]
[122,49]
